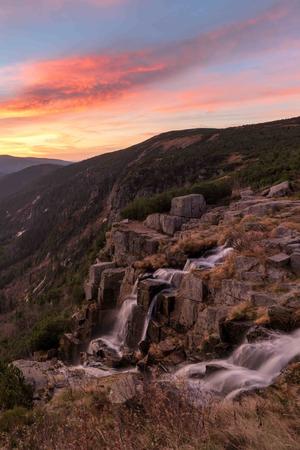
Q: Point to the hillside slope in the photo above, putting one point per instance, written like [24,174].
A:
[51,230]
[18,181]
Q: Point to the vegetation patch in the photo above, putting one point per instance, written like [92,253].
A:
[140,208]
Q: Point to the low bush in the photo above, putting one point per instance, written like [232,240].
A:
[13,389]
[47,333]
[141,207]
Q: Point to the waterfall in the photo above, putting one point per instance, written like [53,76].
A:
[251,366]
[148,317]
[174,276]
[171,276]
[210,259]
[116,339]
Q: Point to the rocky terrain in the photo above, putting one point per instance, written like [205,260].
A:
[183,287]
[147,324]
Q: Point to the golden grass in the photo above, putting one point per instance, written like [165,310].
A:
[162,419]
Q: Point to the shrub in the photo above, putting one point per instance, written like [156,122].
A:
[16,417]
[13,389]
[141,207]
[47,333]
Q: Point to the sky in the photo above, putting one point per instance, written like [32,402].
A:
[83,77]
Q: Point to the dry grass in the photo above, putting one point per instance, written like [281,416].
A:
[162,419]
[152,262]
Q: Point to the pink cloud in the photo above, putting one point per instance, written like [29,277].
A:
[82,81]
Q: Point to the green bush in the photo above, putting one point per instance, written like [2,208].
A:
[141,207]
[13,389]
[47,333]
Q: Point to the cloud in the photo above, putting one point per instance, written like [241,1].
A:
[92,80]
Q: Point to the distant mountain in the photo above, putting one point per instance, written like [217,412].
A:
[10,164]
[18,181]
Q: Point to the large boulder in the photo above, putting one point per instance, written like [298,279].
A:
[280,190]
[190,206]
[109,289]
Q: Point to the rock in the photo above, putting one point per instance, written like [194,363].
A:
[166,305]
[245,263]
[280,190]
[92,284]
[135,327]
[109,289]
[233,292]
[192,287]
[234,331]
[153,222]
[170,224]
[246,193]
[134,241]
[69,348]
[147,290]
[185,314]
[125,387]
[281,318]
[295,263]
[262,299]
[189,206]
[279,260]
[165,223]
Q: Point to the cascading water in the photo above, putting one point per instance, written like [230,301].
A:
[251,366]
[175,276]
[116,339]
[210,259]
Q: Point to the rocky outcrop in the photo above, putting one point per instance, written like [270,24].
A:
[92,284]
[109,289]
[165,223]
[190,206]
[280,190]
[133,241]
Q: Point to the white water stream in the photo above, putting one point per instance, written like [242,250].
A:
[116,339]
[251,366]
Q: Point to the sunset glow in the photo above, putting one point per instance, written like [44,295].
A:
[83,77]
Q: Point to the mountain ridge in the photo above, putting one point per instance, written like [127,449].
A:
[10,164]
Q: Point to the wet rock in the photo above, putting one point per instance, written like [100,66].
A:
[280,190]
[279,260]
[166,305]
[281,318]
[233,331]
[147,290]
[190,206]
[295,263]
[135,327]
[109,289]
